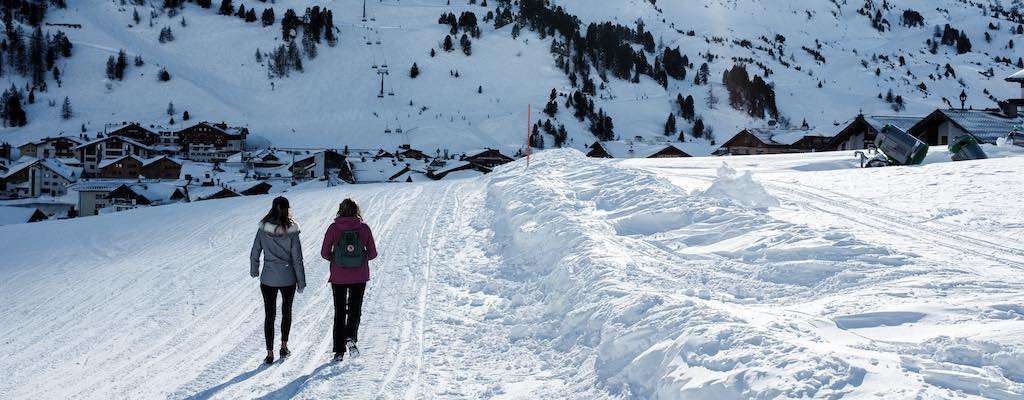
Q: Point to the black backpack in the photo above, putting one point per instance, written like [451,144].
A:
[349,252]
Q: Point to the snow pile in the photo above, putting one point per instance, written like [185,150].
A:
[741,189]
[594,275]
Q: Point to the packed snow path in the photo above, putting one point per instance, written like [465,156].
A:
[166,309]
[576,278]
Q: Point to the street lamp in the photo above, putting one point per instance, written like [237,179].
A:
[963,99]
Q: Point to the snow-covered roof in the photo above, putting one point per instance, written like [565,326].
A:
[903,122]
[22,163]
[781,136]
[154,191]
[126,139]
[196,193]
[241,186]
[633,149]
[108,161]
[44,140]
[67,172]
[376,170]
[96,185]
[1016,77]
[986,126]
[16,215]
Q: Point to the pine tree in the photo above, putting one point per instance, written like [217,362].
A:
[226,8]
[185,116]
[670,125]
[65,109]
[308,44]
[36,57]
[259,56]
[163,75]
[268,17]
[111,68]
[467,46]
[698,128]
[170,108]
[414,71]
[447,45]
[120,65]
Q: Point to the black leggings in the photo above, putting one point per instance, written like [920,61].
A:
[348,308]
[270,307]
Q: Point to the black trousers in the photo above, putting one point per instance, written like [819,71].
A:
[270,309]
[348,308]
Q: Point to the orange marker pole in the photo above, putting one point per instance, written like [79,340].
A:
[529,122]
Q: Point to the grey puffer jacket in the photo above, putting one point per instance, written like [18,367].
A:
[282,256]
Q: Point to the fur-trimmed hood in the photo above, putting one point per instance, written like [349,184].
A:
[276,230]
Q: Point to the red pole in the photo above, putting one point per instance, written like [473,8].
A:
[529,122]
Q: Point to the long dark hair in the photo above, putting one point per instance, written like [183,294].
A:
[280,214]
[349,209]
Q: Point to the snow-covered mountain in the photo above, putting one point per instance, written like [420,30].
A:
[856,50]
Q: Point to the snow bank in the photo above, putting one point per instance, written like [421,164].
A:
[741,189]
[596,272]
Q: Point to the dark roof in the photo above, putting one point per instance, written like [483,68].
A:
[984,125]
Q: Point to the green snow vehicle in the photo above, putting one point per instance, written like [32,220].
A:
[966,148]
[895,147]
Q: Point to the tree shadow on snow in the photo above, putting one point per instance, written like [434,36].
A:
[208,393]
[288,391]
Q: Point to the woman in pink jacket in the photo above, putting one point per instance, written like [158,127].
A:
[348,245]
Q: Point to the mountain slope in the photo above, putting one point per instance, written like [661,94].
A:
[334,102]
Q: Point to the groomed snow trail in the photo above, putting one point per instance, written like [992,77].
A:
[165,309]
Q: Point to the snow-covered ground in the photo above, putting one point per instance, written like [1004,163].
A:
[572,278]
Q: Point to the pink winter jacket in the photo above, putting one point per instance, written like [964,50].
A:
[348,275]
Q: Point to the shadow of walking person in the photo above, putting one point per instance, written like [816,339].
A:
[208,393]
[288,391]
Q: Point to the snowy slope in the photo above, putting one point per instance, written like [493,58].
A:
[574,278]
[334,103]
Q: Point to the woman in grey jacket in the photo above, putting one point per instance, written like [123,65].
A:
[278,241]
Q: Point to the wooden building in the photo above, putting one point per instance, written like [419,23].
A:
[775,141]
[488,158]
[322,165]
[93,153]
[209,142]
[137,133]
[945,125]
[861,132]
[51,147]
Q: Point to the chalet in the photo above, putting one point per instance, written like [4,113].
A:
[945,125]
[20,215]
[322,165]
[126,167]
[33,178]
[162,167]
[93,153]
[860,133]
[265,158]
[488,158]
[133,195]
[774,141]
[209,142]
[406,151]
[137,133]
[634,149]
[60,146]
[1012,107]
